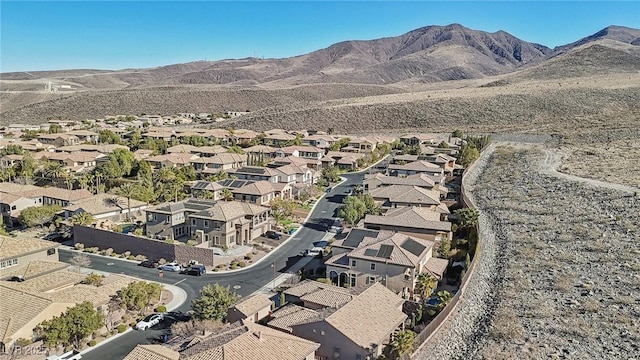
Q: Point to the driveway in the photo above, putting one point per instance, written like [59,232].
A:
[244,282]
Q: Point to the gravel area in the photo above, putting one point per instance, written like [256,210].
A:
[559,275]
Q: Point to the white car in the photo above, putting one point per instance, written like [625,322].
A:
[149,321]
[313,252]
[171,267]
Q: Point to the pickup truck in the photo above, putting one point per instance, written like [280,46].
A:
[316,251]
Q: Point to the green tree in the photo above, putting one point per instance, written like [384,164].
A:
[134,140]
[372,207]
[72,327]
[443,145]
[444,248]
[226,195]
[336,146]
[12,149]
[124,160]
[457,133]
[7,174]
[54,171]
[468,154]
[27,166]
[352,209]
[235,149]
[55,129]
[467,217]
[425,284]
[478,142]
[444,298]
[331,174]
[139,295]
[282,208]
[402,342]
[109,137]
[38,215]
[127,190]
[213,303]
[412,150]
[84,218]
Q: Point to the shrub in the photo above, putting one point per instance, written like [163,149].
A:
[92,343]
[23,342]
[162,261]
[169,241]
[131,257]
[108,252]
[121,328]
[78,246]
[140,257]
[161,309]
[233,266]
[248,257]
[114,254]
[132,324]
[93,279]
[216,269]
[324,280]
[191,242]
[219,266]
[126,254]
[242,264]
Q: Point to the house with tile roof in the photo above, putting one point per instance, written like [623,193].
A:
[171,220]
[241,340]
[393,259]
[48,289]
[394,196]
[61,139]
[174,160]
[220,162]
[415,167]
[321,141]
[416,221]
[105,206]
[229,223]
[17,197]
[359,328]
[252,309]
[260,192]
[419,139]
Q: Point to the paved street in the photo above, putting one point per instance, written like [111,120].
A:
[245,281]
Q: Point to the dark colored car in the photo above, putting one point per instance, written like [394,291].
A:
[149,263]
[272,235]
[196,270]
[17,278]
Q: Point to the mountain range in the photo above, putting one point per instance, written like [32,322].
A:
[426,56]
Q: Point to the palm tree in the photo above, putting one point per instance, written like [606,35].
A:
[83,218]
[402,342]
[127,190]
[54,171]
[444,297]
[425,283]
[226,194]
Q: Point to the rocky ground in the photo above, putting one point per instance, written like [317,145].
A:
[560,272]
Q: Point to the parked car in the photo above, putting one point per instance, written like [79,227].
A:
[175,267]
[57,237]
[17,278]
[316,251]
[196,270]
[149,321]
[328,189]
[149,263]
[273,235]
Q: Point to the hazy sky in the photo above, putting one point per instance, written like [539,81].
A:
[39,35]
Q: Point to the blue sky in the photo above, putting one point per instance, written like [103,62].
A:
[42,35]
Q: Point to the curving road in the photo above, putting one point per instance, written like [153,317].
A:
[245,281]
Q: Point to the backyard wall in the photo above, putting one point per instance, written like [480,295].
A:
[137,245]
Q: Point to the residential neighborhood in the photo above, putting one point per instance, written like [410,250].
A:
[205,201]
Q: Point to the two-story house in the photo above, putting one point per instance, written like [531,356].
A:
[419,139]
[357,325]
[175,160]
[220,162]
[61,139]
[416,167]
[394,259]
[394,196]
[170,220]
[257,173]
[261,192]
[360,145]
[229,223]
[422,222]
[85,135]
